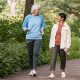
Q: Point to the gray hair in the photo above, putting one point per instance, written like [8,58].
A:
[34,7]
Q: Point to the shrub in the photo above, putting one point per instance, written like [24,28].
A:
[13,57]
[75,48]
[10,28]
[75,28]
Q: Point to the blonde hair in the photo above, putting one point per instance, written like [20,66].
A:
[34,7]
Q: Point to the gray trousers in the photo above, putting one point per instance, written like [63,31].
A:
[33,47]
[55,51]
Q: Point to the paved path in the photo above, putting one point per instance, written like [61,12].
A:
[72,71]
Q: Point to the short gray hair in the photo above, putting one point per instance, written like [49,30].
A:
[34,7]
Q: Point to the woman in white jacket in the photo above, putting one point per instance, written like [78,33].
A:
[60,42]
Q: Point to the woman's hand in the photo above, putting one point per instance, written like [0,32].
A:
[26,30]
[66,50]
[52,49]
[42,32]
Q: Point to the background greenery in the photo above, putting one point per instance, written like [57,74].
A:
[13,51]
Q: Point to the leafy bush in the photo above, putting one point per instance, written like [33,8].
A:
[75,28]
[75,48]
[13,57]
[10,28]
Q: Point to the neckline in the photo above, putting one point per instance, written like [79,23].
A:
[34,16]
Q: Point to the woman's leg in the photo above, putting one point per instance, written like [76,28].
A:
[63,62]
[37,45]
[53,61]
[54,58]
[63,59]
[30,45]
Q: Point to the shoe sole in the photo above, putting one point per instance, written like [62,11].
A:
[63,77]
[34,75]
[30,75]
[51,77]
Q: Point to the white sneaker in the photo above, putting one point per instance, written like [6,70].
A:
[63,75]
[34,73]
[31,73]
[51,76]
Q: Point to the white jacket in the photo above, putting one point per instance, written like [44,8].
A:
[65,36]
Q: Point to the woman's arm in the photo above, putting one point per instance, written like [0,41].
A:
[51,43]
[25,23]
[68,39]
[42,26]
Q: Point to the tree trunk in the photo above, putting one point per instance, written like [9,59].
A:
[12,5]
[9,2]
[28,5]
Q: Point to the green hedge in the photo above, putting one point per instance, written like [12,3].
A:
[11,29]
[13,57]
[75,48]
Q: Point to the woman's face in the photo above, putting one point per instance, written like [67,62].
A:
[60,19]
[36,12]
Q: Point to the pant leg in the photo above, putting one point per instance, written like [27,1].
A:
[63,59]
[54,58]
[30,45]
[37,45]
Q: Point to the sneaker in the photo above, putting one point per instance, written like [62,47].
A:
[31,73]
[63,75]
[34,73]
[51,76]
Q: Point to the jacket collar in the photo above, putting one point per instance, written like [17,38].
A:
[65,24]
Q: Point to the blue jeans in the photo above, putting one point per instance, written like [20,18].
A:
[33,47]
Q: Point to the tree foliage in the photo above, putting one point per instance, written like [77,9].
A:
[2,4]
[68,6]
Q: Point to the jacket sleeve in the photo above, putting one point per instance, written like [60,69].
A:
[51,43]
[68,38]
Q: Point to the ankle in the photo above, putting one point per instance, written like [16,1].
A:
[34,69]
[63,70]
[52,72]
